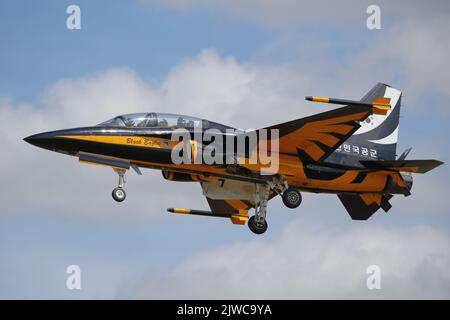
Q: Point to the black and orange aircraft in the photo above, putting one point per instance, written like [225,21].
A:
[349,151]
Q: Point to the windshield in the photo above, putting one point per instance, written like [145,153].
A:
[161,120]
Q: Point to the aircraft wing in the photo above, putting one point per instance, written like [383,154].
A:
[236,209]
[227,199]
[314,138]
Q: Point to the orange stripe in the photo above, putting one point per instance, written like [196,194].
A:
[181,210]
[237,204]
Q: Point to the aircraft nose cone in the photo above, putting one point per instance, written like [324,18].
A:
[42,140]
[33,139]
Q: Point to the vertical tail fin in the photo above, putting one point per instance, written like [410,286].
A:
[376,139]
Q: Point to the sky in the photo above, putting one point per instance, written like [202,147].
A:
[248,64]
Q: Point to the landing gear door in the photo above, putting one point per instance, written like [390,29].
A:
[229,189]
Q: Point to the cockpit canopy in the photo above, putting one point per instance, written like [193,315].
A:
[163,121]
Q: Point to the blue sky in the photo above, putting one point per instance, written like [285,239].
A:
[41,50]
[233,62]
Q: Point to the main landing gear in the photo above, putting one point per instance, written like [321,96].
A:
[291,198]
[257,227]
[118,193]
[257,223]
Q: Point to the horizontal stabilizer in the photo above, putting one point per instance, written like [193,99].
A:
[415,166]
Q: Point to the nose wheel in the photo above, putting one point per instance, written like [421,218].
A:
[119,193]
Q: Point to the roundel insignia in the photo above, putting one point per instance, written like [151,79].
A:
[369,120]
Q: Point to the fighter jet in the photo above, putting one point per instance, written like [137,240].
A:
[349,151]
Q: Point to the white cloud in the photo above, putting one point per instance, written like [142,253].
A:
[313,260]
[409,51]
[413,52]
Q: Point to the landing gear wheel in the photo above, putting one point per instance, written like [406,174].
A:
[257,227]
[119,194]
[292,198]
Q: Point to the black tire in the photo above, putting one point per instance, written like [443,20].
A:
[257,228]
[292,198]
[119,194]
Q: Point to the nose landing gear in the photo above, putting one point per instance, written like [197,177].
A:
[119,193]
